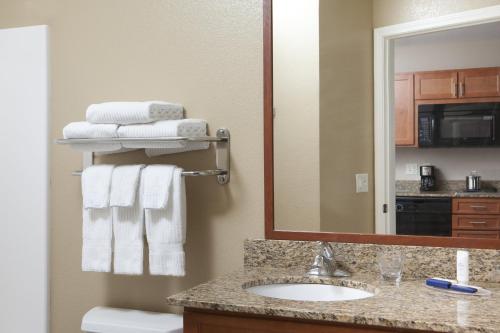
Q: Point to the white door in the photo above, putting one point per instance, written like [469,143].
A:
[24,180]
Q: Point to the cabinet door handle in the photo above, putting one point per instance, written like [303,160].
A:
[477,222]
[462,89]
[478,207]
[454,88]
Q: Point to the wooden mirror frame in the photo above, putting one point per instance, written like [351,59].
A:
[271,233]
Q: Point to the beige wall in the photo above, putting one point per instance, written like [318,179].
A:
[296,123]
[204,54]
[346,117]
[388,12]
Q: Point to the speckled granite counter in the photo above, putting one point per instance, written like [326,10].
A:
[452,189]
[448,194]
[410,306]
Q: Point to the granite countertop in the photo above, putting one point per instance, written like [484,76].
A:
[448,194]
[410,306]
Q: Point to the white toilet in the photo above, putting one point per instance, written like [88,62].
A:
[112,320]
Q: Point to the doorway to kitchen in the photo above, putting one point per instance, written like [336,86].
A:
[386,134]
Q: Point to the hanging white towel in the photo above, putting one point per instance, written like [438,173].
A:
[97,219]
[124,185]
[166,231]
[96,185]
[167,128]
[157,181]
[85,130]
[128,220]
[124,113]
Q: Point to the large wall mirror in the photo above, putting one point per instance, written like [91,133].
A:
[441,155]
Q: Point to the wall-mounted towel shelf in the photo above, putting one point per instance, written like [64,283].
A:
[222,150]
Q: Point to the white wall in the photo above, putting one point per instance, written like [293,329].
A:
[24,180]
[471,47]
[296,102]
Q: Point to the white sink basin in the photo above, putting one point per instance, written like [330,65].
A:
[310,292]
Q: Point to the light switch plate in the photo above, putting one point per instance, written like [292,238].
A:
[361,182]
[412,169]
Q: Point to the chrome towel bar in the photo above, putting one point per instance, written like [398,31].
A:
[222,151]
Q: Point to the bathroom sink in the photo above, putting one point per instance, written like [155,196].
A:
[310,292]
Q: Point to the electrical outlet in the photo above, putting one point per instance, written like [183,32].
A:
[412,169]
[361,182]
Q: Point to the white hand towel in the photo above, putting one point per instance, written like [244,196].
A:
[128,220]
[97,219]
[124,113]
[96,185]
[157,182]
[124,185]
[85,130]
[166,231]
[97,240]
[167,128]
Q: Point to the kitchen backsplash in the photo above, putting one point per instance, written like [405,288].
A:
[450,163]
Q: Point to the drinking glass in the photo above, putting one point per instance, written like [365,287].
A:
[390,263]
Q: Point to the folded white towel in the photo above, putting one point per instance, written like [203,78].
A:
[124,113]
[85,130]
[97,218]
[124,185]
[157,180]
[128,220]
[167,128]
[96,185]
[188,146]
[166,231]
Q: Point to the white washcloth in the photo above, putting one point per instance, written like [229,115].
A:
[157,180]
[97,218]
[96,185]
[85,130]
[124,185]
[124,113]
[167,128]
[166,231]
[128,220]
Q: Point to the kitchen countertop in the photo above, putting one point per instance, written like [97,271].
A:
[409,306]
[448,194]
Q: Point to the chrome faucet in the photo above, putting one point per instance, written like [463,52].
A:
[324,263]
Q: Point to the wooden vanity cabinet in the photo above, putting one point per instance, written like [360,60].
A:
[404,108]
[476,218]
[197,321]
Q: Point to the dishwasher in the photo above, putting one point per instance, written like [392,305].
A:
[423,216]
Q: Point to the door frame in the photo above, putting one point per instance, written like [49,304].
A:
[384,144]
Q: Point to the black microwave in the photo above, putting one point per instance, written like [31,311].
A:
[459,125]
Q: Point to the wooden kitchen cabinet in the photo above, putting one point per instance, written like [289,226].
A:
[476,218]
[476,234]
[436,85]
[481,82]
[220,322]
[404,109]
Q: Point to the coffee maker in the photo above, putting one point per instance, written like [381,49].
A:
[427,178]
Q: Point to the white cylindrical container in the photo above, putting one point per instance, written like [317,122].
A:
[462,267]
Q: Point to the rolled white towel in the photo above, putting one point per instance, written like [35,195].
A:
[167,128]
[86,130]
[124,113]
